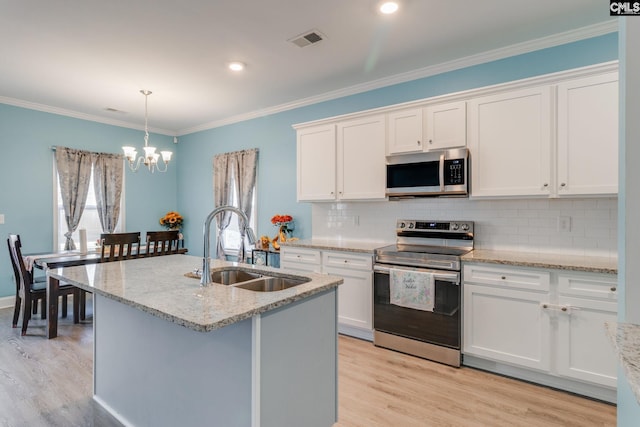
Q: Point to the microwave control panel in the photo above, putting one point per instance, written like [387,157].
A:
[454,172]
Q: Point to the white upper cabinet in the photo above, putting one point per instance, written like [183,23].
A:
[510,143]
[445,125]
[588,136]
[433,127]
[361,163]
[343,161]
[405,131]
[316,172]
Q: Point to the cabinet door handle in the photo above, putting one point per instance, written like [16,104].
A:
[563,308]
[431,141]
[545,185]
[504,277]
[418,142]
[613,289]
[564,184]
[545,306]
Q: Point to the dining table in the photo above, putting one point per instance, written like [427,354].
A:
[49,261]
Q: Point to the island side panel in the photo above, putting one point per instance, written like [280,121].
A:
[298,363]
[151,372]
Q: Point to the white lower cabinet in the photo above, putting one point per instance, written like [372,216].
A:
[355,295]
[506,325]
[544,325]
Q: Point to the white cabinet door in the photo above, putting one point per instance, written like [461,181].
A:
[506,325]
[583,350]
[316,163]
[445,125]
[355,297]
[510,143]
[405,132]
[361,159]
[588,136]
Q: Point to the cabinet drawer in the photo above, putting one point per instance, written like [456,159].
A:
[300,255]
[589,285]
[516,278]
[347,260]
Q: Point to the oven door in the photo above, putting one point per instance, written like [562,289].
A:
[440,327]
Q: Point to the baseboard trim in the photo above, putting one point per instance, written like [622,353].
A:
[592,391]
[363,334]
[7,302]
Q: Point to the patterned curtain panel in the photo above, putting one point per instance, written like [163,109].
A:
[108,171]
[74,172]
[234,178]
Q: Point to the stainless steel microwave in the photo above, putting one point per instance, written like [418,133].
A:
[435,173]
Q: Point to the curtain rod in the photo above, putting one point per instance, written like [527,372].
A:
[54,148]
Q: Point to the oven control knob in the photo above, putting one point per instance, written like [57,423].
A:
[403,225]
[410,225]
[465,227]
[454,226]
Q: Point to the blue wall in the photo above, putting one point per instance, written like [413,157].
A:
[276,139]
[26,170]
[26,194]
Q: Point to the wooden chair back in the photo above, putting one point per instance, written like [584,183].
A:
[22,275]
[119,246]
[162,242]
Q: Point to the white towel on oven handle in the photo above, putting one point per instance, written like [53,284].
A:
[411,289]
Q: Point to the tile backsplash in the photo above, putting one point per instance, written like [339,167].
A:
[530,225]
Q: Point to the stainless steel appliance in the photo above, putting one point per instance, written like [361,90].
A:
[432,247]
[435,173]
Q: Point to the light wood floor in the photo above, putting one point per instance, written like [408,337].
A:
[49,383]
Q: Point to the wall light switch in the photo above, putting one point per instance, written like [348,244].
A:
[564,223]
[1,218]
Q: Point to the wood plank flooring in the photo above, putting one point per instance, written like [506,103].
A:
[49,383]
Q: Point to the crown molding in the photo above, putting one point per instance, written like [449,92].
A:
[82,116]
[583,33]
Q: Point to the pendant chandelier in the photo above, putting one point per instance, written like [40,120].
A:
[150,157]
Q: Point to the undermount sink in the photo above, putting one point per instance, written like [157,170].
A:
[251,280]
[271,284]
[230,277]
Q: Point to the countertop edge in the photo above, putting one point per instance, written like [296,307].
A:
[214,324]
[540,264]
[625,338]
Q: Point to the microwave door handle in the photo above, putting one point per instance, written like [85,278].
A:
[442,173]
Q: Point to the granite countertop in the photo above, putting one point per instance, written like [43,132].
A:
[337,244]
[589,264]
[626,341]
[159,286]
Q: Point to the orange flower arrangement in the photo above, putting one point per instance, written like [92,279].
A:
[285,226]
[172,220]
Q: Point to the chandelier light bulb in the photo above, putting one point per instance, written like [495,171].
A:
[236,66]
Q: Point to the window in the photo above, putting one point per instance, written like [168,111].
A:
[89,221]
[231,235]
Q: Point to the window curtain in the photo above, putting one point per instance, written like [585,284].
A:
[108,172]
[74,172]
[234,178]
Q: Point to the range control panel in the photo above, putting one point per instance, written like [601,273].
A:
[434,226]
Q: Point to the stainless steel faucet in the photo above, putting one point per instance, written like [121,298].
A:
[251,237]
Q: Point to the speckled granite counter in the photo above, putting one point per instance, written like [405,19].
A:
[158,286]
[553,261]
[626,341]
[338,245]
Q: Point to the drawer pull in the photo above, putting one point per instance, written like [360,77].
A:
[564,309]
[613,289]
[545,306]
[504,277]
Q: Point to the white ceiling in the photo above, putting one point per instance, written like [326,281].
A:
[81,57]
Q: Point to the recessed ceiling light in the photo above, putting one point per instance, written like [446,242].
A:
[389,7]
[236,66]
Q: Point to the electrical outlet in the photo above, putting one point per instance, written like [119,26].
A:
[1,218]
[564,223]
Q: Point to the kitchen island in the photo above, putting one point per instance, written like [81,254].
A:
[169,352]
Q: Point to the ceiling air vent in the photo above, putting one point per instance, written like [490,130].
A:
[311,37]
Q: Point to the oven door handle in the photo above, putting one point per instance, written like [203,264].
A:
[438,275]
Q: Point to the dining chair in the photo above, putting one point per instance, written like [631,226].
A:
[162,242]
[28,292]
[119,246]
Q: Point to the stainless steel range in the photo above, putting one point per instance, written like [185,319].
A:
[426,251]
